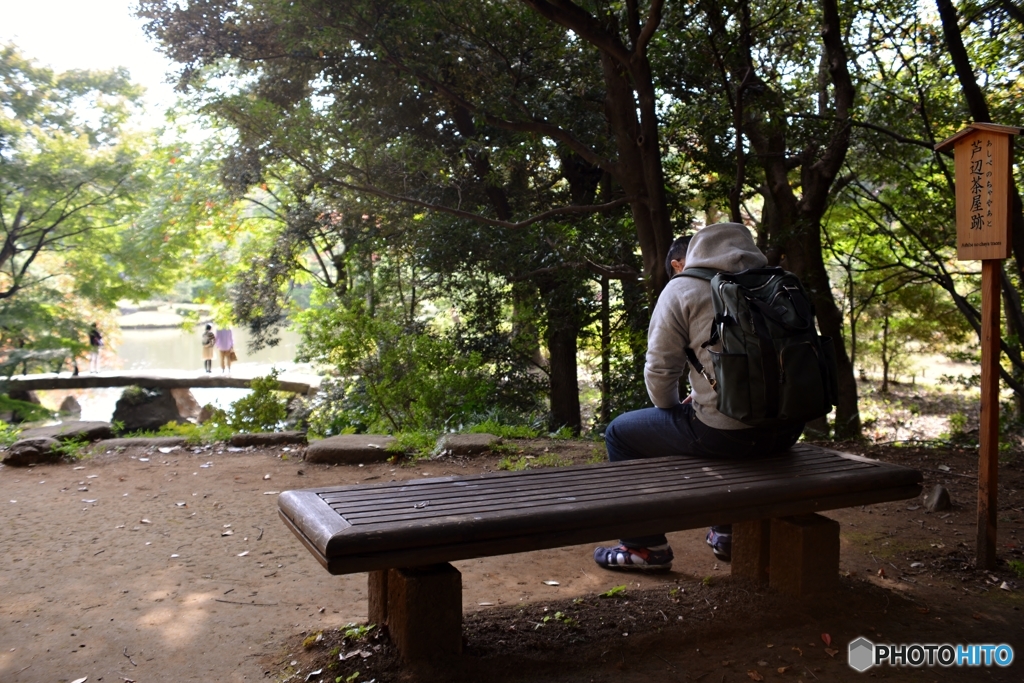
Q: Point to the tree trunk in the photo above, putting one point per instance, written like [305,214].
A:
[885,352]
[565,394]
[606,342]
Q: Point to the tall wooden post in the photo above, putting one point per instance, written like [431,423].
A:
[988,428]
[983,160]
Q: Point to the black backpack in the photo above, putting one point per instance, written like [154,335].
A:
[773,367]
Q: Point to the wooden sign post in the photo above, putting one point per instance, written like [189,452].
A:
[983,158]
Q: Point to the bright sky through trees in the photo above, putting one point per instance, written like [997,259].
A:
[98,34]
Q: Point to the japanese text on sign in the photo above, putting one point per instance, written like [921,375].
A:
[981,185]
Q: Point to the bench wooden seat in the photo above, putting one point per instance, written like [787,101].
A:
[430,522]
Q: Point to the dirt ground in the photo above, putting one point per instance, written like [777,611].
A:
[148,566]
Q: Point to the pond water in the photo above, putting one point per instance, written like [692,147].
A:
[143,350]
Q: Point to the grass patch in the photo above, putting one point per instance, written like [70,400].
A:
[1017,567]
[419,445]
[217,428]
[504,431]
[512,463]
[73,449]
[8,434]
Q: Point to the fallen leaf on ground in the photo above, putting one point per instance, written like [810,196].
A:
[782,669]
[831,652]
[881,572]
[797,650]
[826,638]
[754,676]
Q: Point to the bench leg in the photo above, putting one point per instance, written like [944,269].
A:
[377,596]
[751,550]
[804,555]
[424,611]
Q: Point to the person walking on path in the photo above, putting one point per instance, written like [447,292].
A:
[225,342]
[208,341]
[95,344]
[693,427]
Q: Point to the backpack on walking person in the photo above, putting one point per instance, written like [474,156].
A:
[771,367]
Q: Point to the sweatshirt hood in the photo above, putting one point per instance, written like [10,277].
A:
[725,247]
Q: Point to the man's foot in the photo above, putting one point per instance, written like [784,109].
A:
[658,558]
[720,540]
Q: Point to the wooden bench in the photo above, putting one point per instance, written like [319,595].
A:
[405,533]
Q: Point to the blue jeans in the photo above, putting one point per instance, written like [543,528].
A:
[660,432]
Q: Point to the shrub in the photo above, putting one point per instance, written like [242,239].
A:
[262,410]
[391,375]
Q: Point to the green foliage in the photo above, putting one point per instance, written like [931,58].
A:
[264,409]
[357,631]
[504,431]
[73,449]
[513,463]
[563,433]
[1017,567]
[310,641]
[416,444]
[8,434]
[562,618]
[391,375]
[217,428]
[24,411]
[616,592]
[957,433]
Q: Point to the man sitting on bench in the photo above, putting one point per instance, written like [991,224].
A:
[693,428]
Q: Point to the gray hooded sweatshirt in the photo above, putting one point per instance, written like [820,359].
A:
[683,316]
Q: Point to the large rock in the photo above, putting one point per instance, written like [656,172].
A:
[467,444]
[349,449]
[267,439]
[141,409]
[70,406]
[32,451]
[187,404]
[66,431]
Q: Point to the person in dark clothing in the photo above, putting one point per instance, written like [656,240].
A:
[95,344]
[692,427]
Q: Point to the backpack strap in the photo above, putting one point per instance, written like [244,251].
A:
[701,274]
